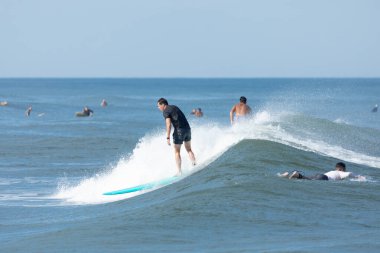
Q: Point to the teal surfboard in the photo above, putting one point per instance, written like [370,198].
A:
[144,186]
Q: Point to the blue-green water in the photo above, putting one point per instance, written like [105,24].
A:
[54,167]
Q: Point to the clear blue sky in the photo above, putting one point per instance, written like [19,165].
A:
[190,38]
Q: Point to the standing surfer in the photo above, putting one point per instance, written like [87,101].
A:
[182,132]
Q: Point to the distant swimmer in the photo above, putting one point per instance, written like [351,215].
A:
[197,112]
[374,109]
[85,113]
[240,110]
[28,111]
[339,173]
[3,103]
[104,103]
[182,131]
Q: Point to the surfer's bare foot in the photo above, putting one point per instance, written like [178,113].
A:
[285,174]
[179,173]
[194,163]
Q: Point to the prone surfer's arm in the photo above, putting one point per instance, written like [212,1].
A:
[357,177]
[168,129]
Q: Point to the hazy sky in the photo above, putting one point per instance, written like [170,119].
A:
[190,38]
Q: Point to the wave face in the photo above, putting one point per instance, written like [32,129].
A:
[152,160]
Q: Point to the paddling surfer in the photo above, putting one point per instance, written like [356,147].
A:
[182,131]
[87,111]
[339,173]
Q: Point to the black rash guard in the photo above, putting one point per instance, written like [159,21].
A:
[177,117]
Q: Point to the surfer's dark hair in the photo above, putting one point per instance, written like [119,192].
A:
[243,99]
[341,165]
[162,101]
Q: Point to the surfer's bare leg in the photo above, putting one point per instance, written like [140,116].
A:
[190,152]
[177,153]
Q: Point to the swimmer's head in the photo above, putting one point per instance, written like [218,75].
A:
[243,99]
[340,166]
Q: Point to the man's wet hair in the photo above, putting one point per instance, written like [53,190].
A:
[243,99]
[341,166]
[162,101]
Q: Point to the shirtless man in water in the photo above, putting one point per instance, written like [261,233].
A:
[240,109]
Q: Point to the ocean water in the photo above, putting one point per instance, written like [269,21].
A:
[54,166]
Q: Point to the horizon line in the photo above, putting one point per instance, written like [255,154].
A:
[201,77]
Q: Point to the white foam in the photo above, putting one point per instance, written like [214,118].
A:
[341,121]
[9,181]
[151,160]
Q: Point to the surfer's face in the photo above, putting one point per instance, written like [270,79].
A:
[161,107]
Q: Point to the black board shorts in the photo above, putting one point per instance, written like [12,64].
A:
[181,135]
[319,177]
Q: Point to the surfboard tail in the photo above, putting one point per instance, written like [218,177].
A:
[142,187]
